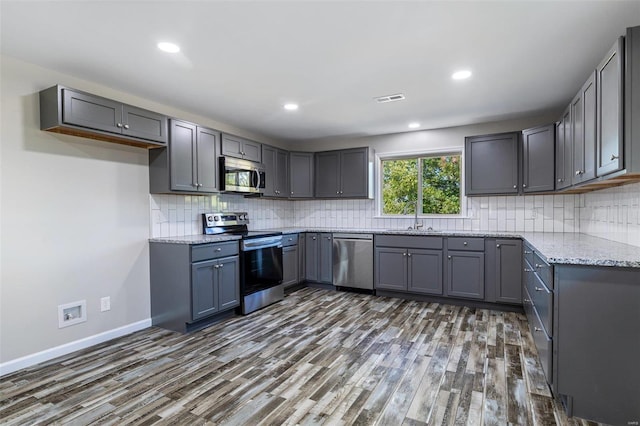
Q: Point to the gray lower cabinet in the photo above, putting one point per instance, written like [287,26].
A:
[276,167]
[192,283]
[538,166]
[302,267]
[71,111]
[301,174]
[597,338]
[610,110]
[483,153]
[234,146]
[564,151]
[188,164]
[318,257]
[508,268]
[290,260]
[408,264]
[342,174]
[465,267]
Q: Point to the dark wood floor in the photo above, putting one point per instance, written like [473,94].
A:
[318,357]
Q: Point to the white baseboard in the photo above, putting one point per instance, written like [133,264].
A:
[67,348]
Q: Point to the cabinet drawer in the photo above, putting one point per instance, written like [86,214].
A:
[289,240]
[542,300]
[408,241]
[460,243]
[213,251]
[542,341]
[544,270]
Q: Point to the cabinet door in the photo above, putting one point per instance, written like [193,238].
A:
[610,110]
[311,257]
[465,274]
[390,269]
[252,151]
[289,265]
[538,167]
[182,152]
[204,289]
[354,173]
[90,111]
[231,146]
[326,258]
[228,282]
[509,271]
[425,271]
[564,151]
[206,159]
[491,164]
[327,175]
[302,270]
[143,124]
[301,174]
[270,170]
[583,122]
[282,173]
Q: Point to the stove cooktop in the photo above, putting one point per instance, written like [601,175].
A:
[231,224]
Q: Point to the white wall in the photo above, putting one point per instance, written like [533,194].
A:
[74,219]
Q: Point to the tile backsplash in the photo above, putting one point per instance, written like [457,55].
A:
[612,214]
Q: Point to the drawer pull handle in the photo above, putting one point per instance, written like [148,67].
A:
[528,252]
[538,289]
[537,329]
[526,300]
[464,243]
[290,239]
[538,266]
[528,270]
[218,249]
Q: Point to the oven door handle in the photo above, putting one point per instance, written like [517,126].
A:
[261,243]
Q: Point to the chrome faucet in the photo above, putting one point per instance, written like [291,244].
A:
[416,225]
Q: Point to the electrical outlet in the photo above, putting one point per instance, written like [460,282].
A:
[105,304]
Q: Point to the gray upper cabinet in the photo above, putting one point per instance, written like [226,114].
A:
[610,79]
[276,167]
[342,174]
[70,111]
[301,174]
[583,130]
[188,164]
[564,151]
[538,151]
[234,146]
[491,165]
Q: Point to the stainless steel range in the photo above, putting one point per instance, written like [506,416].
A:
[260,259]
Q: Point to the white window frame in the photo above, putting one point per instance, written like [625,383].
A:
[454,150]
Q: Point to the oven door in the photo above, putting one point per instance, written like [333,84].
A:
[261,264]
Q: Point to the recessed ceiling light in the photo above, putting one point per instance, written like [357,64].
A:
[291,107]
[461,75]
[414,125]
[168,47]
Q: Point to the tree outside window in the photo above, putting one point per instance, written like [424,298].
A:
[437,176]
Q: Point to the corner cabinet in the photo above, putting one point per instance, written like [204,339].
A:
[192,284]
[301,174]
[234,146]
[342,174]
[188,164]
[73,112]
[538,166]
[276,167]
[483,153]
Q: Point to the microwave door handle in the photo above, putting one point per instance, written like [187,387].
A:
[257,180]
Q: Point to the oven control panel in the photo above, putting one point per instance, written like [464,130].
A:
[212,220]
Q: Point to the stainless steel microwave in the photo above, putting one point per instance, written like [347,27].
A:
[241,175]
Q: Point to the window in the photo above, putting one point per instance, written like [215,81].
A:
[430,182]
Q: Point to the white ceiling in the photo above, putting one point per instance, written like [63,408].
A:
[241,61]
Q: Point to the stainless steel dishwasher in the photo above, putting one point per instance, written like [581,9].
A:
[353,260]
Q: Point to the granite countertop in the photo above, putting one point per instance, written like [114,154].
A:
[195,239]
[555,248]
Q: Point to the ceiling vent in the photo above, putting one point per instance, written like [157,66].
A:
[390,98]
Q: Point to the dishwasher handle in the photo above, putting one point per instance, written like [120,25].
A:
[354,236]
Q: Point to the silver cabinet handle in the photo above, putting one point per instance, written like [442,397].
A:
[515,186]
[538,289]
[404,254]
[498,245]
[539,266]
[577,172]
[291,192]
[221,265]
[313,238]
[524,185]
[126,126]
[216,266]
[614,157]
[328,238]
[119,125]
[528,252]
[538,329]
[464,243]
[448,257]
[290,239]
[218,249]
[409,254]
[560,180]
[526,300]
[528,270]
[337,192]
